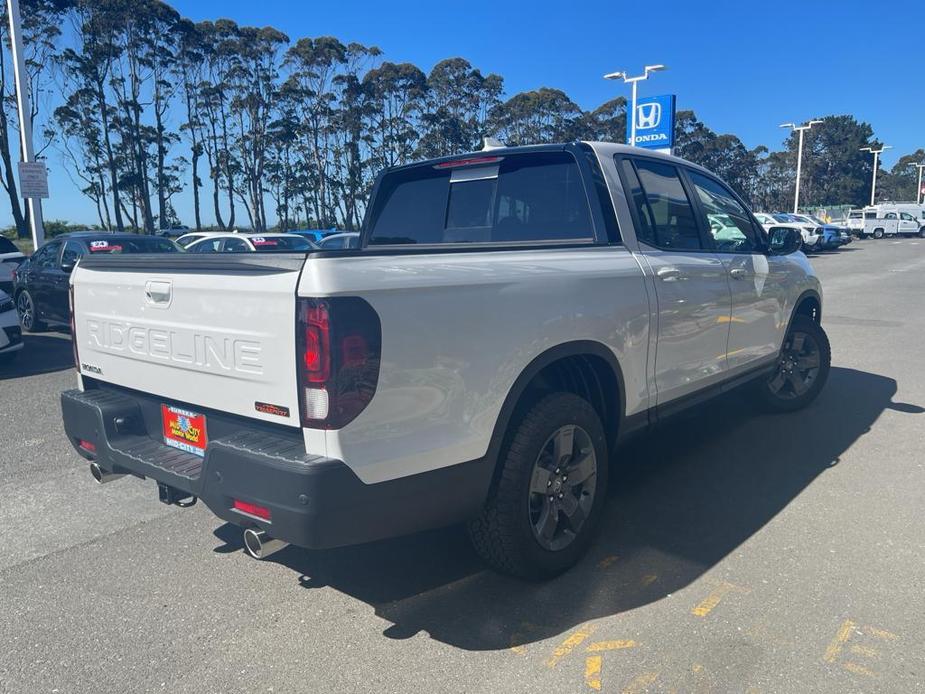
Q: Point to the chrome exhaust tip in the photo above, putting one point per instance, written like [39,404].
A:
[101,475]
[259,545]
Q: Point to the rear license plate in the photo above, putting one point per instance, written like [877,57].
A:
[184,429]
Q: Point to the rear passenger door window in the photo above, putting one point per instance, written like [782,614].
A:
[727,220]
[666,216]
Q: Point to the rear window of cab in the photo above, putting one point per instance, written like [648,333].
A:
[535,197]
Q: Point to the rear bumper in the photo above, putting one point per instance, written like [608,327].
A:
[314,502]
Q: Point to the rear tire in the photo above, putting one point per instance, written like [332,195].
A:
[28,313]
[878,233]
[802,370]
[537,523]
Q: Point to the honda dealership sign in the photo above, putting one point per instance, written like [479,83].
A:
[654,122]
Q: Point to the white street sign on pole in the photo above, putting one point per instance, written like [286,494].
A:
[33,179]
[34,203]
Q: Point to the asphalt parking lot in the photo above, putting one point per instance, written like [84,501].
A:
[740,553]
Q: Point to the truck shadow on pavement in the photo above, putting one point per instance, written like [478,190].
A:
[41,354]
[682,498]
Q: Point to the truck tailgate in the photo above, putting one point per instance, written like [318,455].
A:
[213,331]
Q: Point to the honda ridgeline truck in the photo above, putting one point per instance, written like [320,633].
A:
[510,316]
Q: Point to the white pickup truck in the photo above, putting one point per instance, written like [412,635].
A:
[510,317]
[892,222]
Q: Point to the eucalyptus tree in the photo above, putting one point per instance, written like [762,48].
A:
[219,46]
[540,116]
[191,48]
[394,100]
[457,102]
[252,82]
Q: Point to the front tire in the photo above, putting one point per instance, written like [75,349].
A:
[547,502]
[802,370]
[28,313]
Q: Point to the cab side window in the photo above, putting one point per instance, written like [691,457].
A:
[665,208]
[728,221]
[890,215]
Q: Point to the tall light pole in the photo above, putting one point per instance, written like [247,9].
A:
[634,80]
[876,153]
[918,187]
[800,129]
[25,116]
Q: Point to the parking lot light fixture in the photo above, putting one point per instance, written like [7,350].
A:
[633,81]
[876,153]
[800,129]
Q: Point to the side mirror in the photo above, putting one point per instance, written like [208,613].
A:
[68,265]
[784,240]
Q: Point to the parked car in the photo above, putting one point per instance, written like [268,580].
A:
[812,237]
[173,232]
[187,239]
[41,283]
[10,334]
[313,235]
[10,258]
[831,234]
[257,243]
[347,239]
[502,327]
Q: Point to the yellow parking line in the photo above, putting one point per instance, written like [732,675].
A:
[844,633]
[880,633]
[600,646]
[593,672]
[857,669]
[713,599]
[649,579]
[607,561]
[570,644]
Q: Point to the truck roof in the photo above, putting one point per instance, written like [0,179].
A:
[605,148]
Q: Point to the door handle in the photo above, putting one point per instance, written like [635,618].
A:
[668,273]
[738,273]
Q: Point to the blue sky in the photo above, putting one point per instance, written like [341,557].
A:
[744,67]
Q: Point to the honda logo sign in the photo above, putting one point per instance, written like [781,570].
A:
[648,115]
[654,122]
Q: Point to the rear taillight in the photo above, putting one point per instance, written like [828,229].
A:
[70,303]
[339,343]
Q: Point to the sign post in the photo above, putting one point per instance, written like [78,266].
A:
[33,202]
[918,188]
[654,123]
